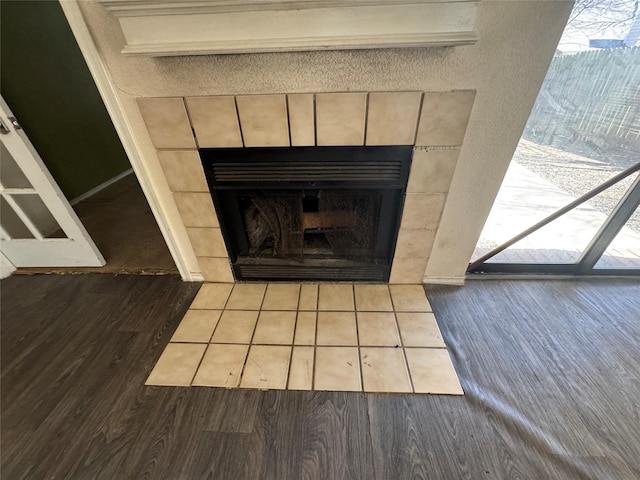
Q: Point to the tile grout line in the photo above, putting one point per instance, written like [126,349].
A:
[315,340]
[224,307]
[264,295]
[355,314]
[404,353]
[385,347]
[206,349]
[293,338]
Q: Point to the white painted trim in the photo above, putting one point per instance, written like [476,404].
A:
[444,280]
[197,277]
[156,27]
[137,8]
[6,267]
[110,98]
[447,39]
[101,187]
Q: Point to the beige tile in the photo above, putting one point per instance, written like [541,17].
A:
[235,326]
[246,296]
[207,242]
[301,119]
[384,370]
[432,170]
[221,366]
[215,121]
[422,210]
[177,364]
[215,269]
[414,244]
[377,329]
[444,117]
[266,367]
[305,329]
[336,296]
[281,296]
[183,170]
[419,330]
[337,328]
[275,328]
[432,371]
[308,296]
[301,369]
[372,298]
[340,118]
[392,118]
[409,298]
[212,296]
[196,209]
[337,369]
[263,120]
[196,326]
[408,270]
[167,122]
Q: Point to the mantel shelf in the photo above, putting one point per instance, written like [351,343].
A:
[157,28]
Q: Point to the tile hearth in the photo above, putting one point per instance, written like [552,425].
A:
[328,337]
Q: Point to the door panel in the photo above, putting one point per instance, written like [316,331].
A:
[38,226]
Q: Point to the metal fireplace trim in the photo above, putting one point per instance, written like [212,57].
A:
[381,168]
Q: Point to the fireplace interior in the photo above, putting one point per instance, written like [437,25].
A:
[309,213]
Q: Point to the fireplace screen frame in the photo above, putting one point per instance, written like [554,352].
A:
[380,169]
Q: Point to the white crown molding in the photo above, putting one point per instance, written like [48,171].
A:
[134,8]
[301,44]
[156,28]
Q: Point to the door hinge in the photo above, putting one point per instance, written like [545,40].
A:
[4,129]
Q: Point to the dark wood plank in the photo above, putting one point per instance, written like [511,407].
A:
[550,370]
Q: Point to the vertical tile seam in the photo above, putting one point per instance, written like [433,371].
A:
[404,353]
[366,119]
[415,132]
[315,123]
[235,104]
[191,127]
[355,315]
[313,107]
[288,114]
[293,337]
[315,340]
[264,295]
[208,344]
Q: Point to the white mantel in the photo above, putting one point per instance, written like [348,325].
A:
[161,28]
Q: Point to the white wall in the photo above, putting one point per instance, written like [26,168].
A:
[506,67]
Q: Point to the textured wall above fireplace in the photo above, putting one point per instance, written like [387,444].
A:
[434,122]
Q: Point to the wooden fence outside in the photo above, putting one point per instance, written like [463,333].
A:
[589,103]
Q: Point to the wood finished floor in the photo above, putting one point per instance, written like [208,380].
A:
[551,371]
[120,222]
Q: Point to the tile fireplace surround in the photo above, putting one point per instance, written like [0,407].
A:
[433,122]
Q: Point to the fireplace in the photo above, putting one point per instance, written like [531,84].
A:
[309,213]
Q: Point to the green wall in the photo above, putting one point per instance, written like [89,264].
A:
[47,85]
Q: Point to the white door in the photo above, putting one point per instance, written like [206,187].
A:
[38,227]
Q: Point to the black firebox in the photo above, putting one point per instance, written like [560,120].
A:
[309,213]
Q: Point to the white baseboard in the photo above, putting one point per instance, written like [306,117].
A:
[100,187]
[444,280]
